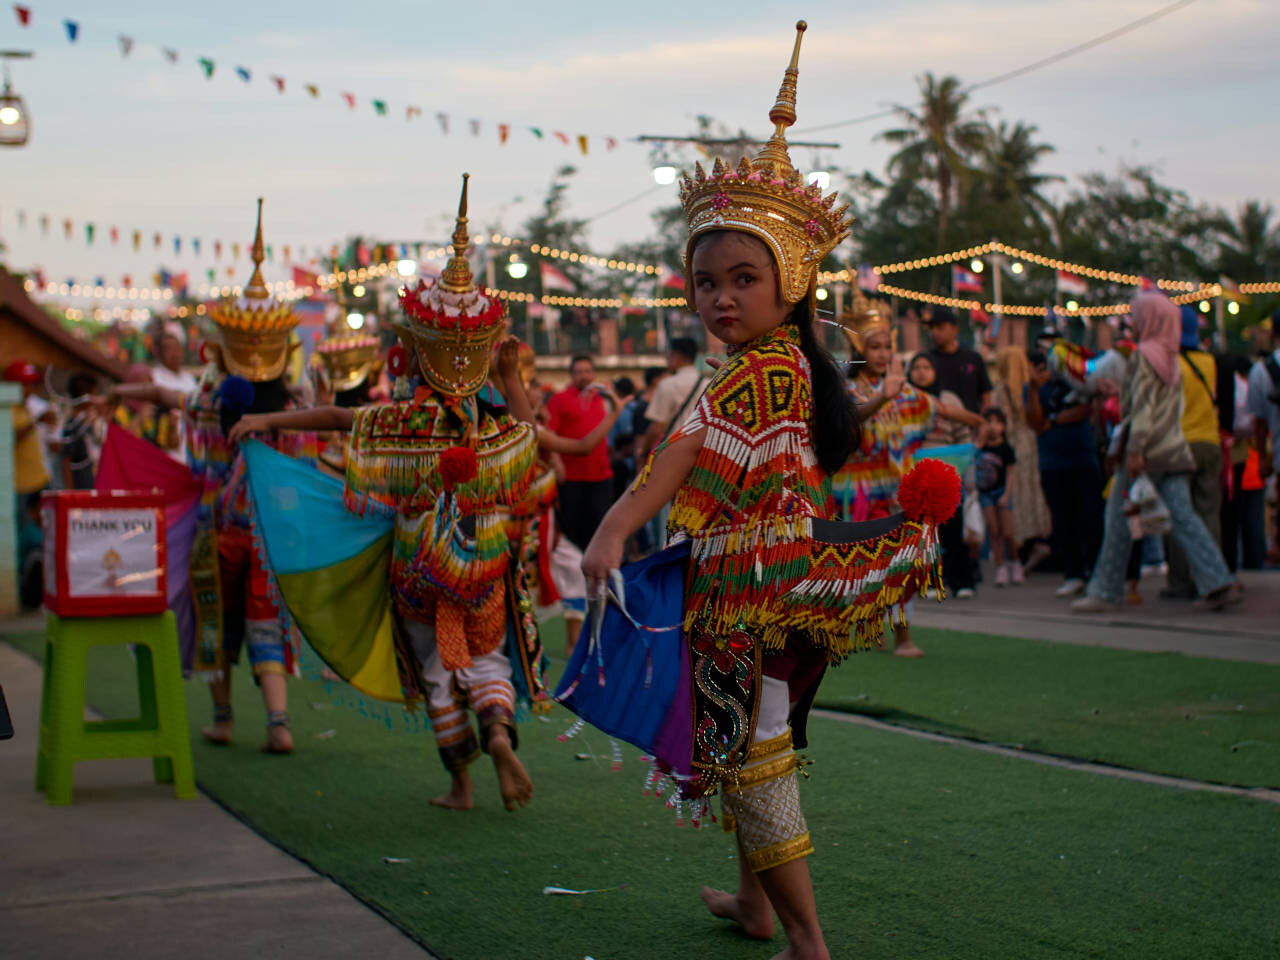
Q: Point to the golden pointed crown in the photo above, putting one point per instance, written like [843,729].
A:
[254,328]
[768,198]
[349,358]
[863,317]
[450,325]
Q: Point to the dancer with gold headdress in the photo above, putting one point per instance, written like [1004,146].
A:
[343,369]
[769,601]
[897,419]
[234,599]
[455,468]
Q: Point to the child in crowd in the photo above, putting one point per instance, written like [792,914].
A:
[995,471]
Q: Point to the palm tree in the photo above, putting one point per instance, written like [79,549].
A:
[936,140]
[1007,160]
[1252,243]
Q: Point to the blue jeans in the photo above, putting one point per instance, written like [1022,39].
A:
[1208,569]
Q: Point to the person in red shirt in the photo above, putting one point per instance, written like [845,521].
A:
[587,491]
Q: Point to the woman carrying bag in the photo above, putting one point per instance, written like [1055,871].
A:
[1151,443]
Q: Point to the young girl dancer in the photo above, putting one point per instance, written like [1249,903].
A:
[749,474]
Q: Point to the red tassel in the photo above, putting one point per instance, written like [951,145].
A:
[930,492]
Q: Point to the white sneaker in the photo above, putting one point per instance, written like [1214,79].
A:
[965,593]
[1018,575]
[1070,588]
[1002,575]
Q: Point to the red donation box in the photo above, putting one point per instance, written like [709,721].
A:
[104,553]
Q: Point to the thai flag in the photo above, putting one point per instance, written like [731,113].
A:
[962,279]
[668,278]
[1071,284]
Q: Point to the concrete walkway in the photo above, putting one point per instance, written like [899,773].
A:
[1249,632]
[129,873]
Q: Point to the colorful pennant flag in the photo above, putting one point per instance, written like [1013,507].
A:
[313,90]
[536,132]
[170,54]
[66,228]
[561,136]
[156,240]
[207,66]
[279,82]
[582,144]
[243,73]
[88,233]
[126,45]
[504,131]
[351,100]
[73,30]
[195,246]
[411,112]
[475,127]
[137,240]
[553,279]
[24,15]
[443,120]
[115,234]
[380,107]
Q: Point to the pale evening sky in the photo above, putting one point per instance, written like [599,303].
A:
[141,143]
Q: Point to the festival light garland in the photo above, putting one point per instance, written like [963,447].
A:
[995,246]
[1203,292]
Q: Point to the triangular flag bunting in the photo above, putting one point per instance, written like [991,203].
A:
[313,90]
[195,246]
[380,106]
[610,142]
[475,128]
[562,137]
[137,240]
[66,228]
[243,73]
[235,251]
[88,233]
[536,132]
[207,66]
[351,100]
[279,82]
[156,241]
[504,131]
[170,54]
[126,45]
[24,15]
[443,119]
[582,144]
[44,223]
[217,249]
[411,112]
[73,30]
[115,234]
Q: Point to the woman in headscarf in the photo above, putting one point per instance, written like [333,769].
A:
[1030,512]
[1150,440]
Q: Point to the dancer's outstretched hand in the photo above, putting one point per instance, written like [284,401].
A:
[603,556]
[249,423]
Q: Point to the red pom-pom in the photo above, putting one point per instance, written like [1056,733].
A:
[930,492]
[398,361]
[458,465]
[204,353]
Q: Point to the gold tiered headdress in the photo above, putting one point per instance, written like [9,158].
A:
[864,317]
[349,358]
[253,329]
[767,198]
[451,325]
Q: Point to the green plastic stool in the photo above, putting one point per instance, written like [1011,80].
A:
[159,732]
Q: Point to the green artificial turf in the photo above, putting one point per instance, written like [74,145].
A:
[1213,720]
[925,850]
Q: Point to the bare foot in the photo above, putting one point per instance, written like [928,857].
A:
[804,951]
[513,782]
[279,740]
[459,795]
[219,733]
[756,920]
[907,649]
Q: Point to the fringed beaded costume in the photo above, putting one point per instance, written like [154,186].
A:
[440,612]
[775,591]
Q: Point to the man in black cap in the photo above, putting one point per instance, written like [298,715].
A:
[959,369]
[963,372]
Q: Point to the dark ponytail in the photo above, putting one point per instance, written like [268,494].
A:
[835,425]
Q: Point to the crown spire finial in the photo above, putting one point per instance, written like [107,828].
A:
[783,113]
[456,277]
[257,288]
